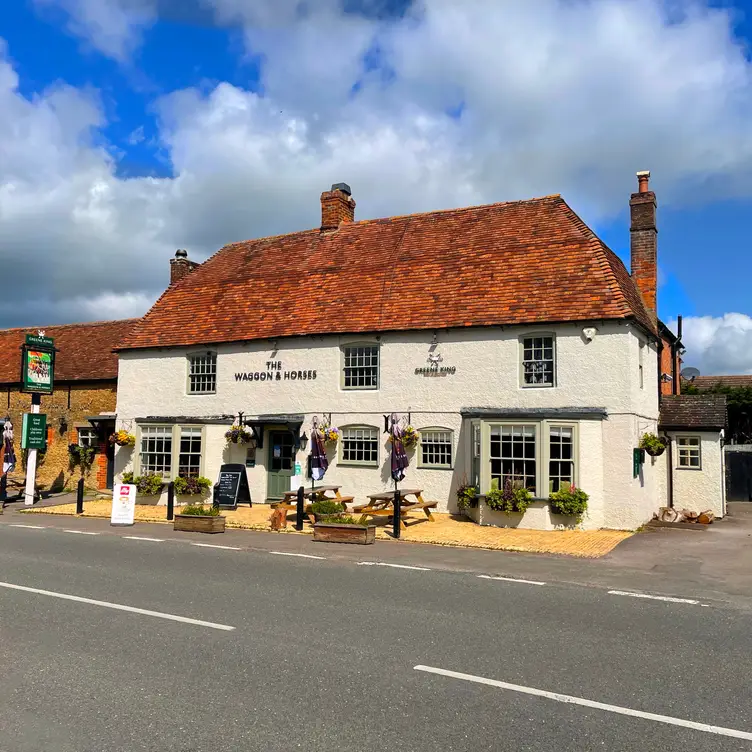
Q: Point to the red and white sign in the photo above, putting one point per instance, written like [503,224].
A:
[123,504]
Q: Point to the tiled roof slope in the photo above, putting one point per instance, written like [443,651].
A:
[85,350]
[708,382]
[693,411]
[513,263]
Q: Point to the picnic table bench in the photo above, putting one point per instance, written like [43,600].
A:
[382,504]
[317,493]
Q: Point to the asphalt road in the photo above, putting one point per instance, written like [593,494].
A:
[321,653]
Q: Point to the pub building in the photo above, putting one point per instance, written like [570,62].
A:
[509,336]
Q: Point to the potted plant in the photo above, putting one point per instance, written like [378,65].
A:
[410,437]
[123,439]
[323,510]
[467,497]
[654,445]
[192,486]
[239,435]
[570,501]
[331,434]
[198,518]
[149,485]
[513,498]
[343,528]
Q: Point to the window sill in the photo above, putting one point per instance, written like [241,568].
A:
[370,465]
[435,467]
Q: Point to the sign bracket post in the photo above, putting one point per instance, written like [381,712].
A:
[31,458]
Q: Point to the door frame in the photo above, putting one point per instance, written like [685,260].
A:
[270,456]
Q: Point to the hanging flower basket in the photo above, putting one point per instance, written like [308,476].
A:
[654,445]
[239,435]
[331,435]
[123,438]
[410,437]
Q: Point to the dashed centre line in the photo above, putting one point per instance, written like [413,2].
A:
[216,545]
[510,579]
[666,598]
[81,532]
[28,527]
[394,566]
[143,538]
[706,727]
[302,556]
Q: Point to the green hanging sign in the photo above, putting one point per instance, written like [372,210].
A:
[34,431]
[638,459]
[38,364]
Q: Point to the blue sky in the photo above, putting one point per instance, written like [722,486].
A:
[133,127]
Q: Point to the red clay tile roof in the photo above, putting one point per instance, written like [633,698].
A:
[708,382]
[85,350]
[693,411]
[521,262]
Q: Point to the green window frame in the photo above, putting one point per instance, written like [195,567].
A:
[436,449]
[688,453]
[170,450]
[202,372]
[359,446]
[537,360]
[361,366]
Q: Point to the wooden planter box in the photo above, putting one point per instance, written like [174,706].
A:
[335,533]
[191,523]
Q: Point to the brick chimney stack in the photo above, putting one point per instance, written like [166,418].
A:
[337,206]
[644,243]
[180,266]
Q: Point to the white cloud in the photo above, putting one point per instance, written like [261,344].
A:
[718,344]
[556,97]
[113,27]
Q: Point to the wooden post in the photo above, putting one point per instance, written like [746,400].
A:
[170,501]
[300,511]
[80,496]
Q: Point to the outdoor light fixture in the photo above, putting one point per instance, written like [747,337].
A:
[304,441]
[589,332]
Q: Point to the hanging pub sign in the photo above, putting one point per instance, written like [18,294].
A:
[37,364]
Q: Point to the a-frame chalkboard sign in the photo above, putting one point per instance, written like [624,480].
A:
[232,487]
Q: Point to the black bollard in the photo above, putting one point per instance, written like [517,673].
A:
[80,497]
[397,519]
[301,509]
[4,488]
[170,501]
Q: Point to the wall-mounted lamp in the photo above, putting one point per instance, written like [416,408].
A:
[589,332]
[304,441]
[435,340]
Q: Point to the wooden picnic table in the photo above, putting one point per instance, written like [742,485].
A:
[321,493]
[382,503]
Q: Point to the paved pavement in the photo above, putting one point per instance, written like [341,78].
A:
[287,652]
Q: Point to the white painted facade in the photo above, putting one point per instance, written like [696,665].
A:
[602,373]
[701,488]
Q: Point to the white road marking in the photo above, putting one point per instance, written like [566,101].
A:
[395,566]
[510,579]
[30,527]
[720,730]
[302,556]
[143,538]
[654,597]
[80,532]
[118,607]
[216,545]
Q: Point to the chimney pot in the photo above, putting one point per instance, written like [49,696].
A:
[180,266]
[337,207]
[643,179]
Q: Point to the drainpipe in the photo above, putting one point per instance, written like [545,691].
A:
[670,461]
[674,349]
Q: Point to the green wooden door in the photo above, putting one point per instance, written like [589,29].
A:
[280,464]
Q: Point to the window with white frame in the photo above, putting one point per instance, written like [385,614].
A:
[513,454]
[189,459]
[156,451]
[360,445]
[87,437]
[361,367]
[560,457]
[688,452]
[435,447]
[202,373]
[538,360]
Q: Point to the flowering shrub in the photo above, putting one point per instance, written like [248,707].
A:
[510,499]
[191,486]
[331,434]
[239,435]
[147,485]
[570,501]
[467,497]
[123,438]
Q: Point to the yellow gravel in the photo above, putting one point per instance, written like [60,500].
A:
[446,530]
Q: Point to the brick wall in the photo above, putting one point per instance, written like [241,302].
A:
[68,406]
[669,387]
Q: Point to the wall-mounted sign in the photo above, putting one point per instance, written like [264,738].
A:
[38,364]
[34,431]
[435,368]
[275,372]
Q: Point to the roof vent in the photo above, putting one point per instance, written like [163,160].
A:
[180,253]
[344,187]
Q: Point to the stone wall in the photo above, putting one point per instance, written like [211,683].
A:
[66,410]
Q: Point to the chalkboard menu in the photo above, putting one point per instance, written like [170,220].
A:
[232,487]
